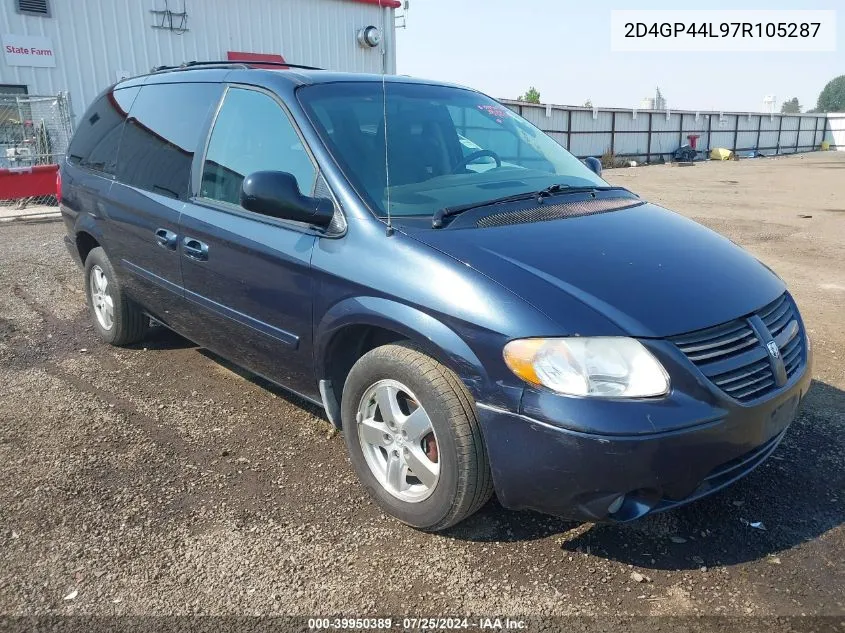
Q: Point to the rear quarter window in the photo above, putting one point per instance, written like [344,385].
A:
[94,146]
[162,135]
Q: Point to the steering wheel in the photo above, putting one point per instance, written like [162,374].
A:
[475,156]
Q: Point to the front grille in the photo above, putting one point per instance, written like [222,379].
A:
[780,317]
[747,382]
[734,357]
[717,342]
[777,315]
[792,354]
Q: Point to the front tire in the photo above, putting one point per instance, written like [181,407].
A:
[117,319]
[414,439]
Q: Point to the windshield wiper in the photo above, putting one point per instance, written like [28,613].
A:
[446,212]
[540,196]
[562,188]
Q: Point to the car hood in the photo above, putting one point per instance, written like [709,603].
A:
[647,270]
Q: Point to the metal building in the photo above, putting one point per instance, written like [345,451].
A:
[82,46]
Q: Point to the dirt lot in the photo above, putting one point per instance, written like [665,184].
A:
[159,480]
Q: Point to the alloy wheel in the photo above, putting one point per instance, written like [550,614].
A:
[101,298]
[398,441]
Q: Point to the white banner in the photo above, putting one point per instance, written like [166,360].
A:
[723,31]
[29,50]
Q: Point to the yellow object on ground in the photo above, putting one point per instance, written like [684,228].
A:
[720,153]
[825,145]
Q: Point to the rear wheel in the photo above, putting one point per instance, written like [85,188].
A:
[414,439]
[117,319]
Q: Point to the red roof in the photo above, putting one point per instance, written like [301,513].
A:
[254,59]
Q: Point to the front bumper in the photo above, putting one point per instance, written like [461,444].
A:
[542,466]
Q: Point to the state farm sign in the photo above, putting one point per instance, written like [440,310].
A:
[28,50]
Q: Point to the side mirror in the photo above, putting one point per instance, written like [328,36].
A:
[593,164]
[276,193]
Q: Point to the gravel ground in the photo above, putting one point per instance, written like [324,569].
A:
[161,480]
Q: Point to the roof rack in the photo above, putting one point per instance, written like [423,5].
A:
[236,64]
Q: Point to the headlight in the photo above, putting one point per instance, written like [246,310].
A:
[611,367]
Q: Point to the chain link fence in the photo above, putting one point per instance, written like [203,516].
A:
[35,132]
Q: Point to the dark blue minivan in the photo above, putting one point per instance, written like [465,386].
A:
[474,307]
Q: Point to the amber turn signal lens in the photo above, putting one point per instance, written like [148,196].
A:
[519,357]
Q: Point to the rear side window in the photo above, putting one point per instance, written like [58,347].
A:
[162,135]
[94,146]
[252,133]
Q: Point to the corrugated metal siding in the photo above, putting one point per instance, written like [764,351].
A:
[721,131]
[631,132]
[696,124]
[99,38]
[590,135]
[835,134]
[769,130]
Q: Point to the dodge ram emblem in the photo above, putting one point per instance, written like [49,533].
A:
[773,349]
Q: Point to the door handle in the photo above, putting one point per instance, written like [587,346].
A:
[166,239]
[195,249]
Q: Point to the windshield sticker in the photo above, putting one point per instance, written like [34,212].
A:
[498,112]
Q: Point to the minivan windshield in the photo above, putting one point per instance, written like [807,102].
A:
[442,146]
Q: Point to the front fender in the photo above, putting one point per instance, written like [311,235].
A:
[433,336]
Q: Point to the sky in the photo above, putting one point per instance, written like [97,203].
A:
[562,47]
